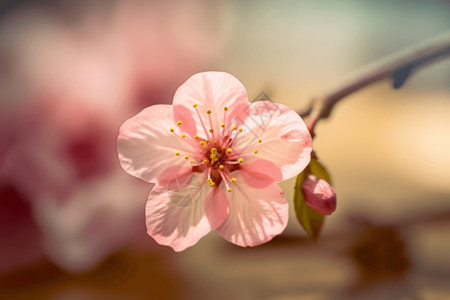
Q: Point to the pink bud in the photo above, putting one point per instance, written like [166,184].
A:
[319,195]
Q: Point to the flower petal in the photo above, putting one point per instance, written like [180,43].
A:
[176,217]
[214,91]
[256,215]
[184,114]
[146,147]
[260,173]
[285,139]
[217,207]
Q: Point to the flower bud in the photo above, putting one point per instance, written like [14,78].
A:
[319,195]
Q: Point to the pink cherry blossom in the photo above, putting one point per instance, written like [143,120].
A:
[319,195]
[215,159]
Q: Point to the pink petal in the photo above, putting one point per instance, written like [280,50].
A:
[213,91]
[285,139]
[217,207]
[185,115]
[175,177]
[256,215]
[260,173]
[176,218]
[145,145]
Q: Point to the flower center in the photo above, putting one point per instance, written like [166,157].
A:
[215,153]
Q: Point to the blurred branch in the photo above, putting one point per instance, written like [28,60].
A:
[397,67]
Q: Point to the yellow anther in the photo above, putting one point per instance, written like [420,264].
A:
[177,153]
[222,125]
[259,140]
[240,160]
[207,141]
[215,142]
[202,143]
[187,157]
[213,155]
[233,179]
[223,147]
[240,129]
[208,112]
[183,135]
[221,167]
[196,137]
[229,189]
[179,123]
[209,179]
[229,150]
[255,151]
[172,130]
[234,127]
[191,161]
[225,108]
[194,105]
[205,161]
[211,130]
[212,183]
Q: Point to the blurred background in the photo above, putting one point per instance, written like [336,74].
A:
[72,222]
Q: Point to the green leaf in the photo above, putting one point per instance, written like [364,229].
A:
[310,220]
[319,170]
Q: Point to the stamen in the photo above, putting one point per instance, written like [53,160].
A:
[215,142]
[224,120]
[234,127]
[196,164]
[211,124]
[179,123]
[196,137]
[224,180]
[259,140]
[221,167]
[229,150]
[233,179]
[208,112]
[191,161]
[240,160]
[255,151]
[186,157]
[201,121]
[231,141]
[172,130]
[177,153]
[209,174]
[189,139]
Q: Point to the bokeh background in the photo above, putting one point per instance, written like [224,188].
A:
[72,222]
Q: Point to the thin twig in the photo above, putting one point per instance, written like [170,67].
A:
[397,67]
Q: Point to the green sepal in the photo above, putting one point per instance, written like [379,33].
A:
[310,220]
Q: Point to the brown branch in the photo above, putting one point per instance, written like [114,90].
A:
[397,67]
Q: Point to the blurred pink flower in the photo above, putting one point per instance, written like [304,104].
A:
[215,159]
[65,87]
[319,195]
